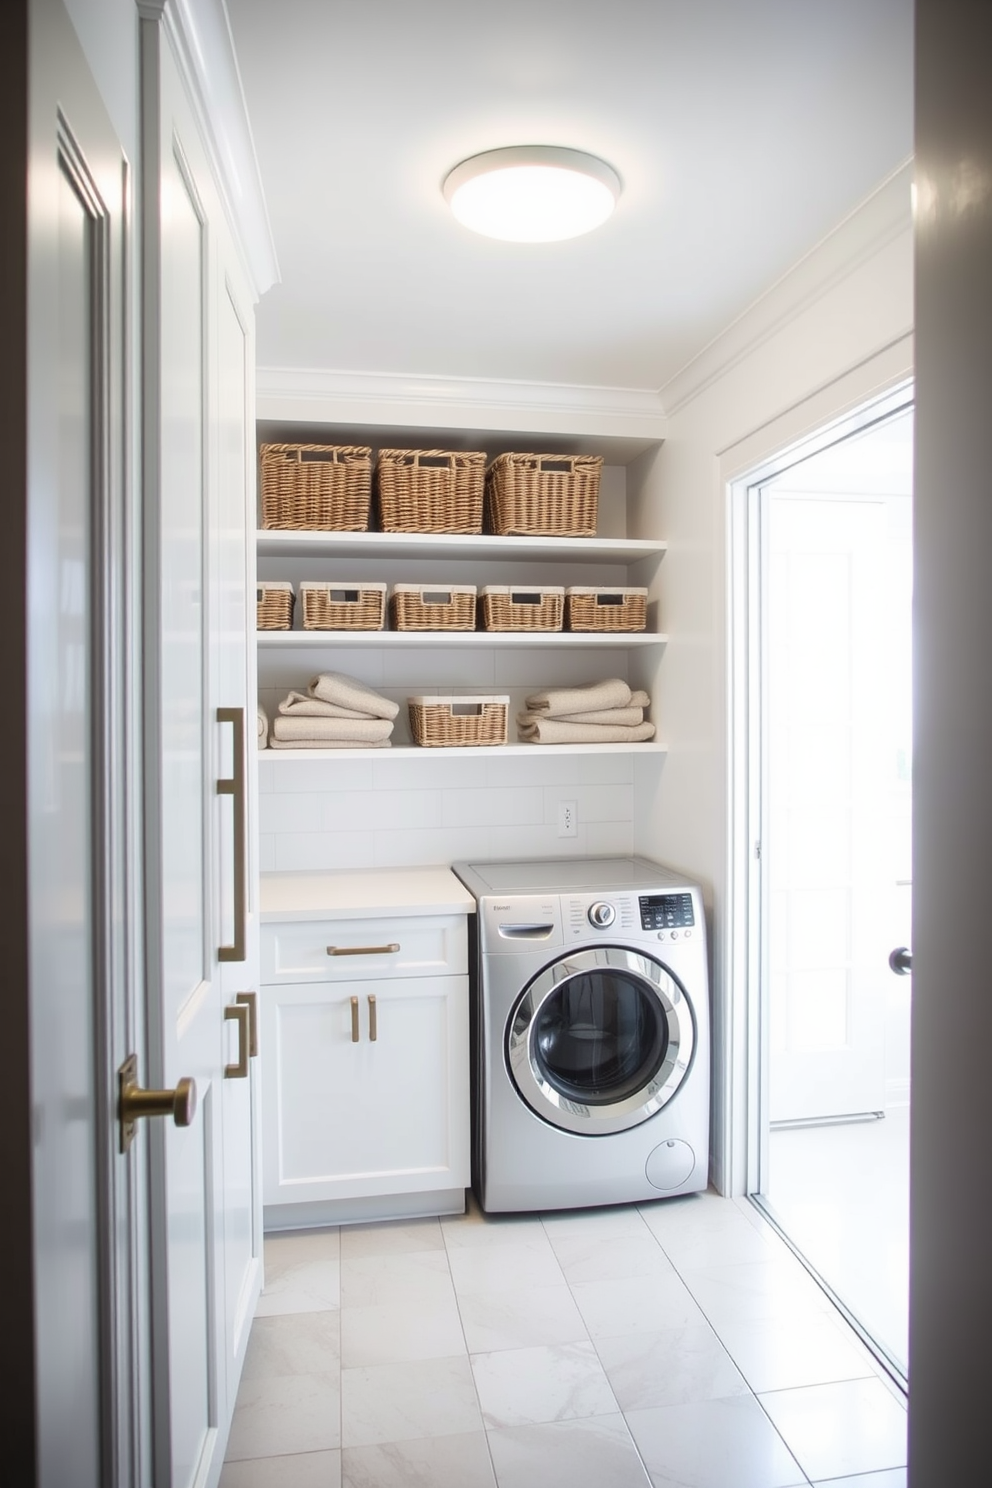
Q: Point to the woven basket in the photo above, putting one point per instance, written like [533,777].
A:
[605,609]
[503,607]
[316,487]
[442,722]
[543,495]
[432,607]
[273,605]
[430,490]
[349,606]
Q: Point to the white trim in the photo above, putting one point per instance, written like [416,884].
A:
[201,39]
[884,216]
[325,395]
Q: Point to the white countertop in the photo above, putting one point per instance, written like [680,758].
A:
[375,893]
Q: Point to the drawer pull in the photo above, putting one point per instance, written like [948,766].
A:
[239,1013]
[354,1020]
[373,1024]
[384,950]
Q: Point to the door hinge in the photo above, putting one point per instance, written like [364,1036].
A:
[757,850]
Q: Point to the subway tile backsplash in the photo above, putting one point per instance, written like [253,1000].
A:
[389,813]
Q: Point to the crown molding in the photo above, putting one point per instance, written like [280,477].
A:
[320,395]
[877,221]
[200,33]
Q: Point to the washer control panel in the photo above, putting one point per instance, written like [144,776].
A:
[666,911]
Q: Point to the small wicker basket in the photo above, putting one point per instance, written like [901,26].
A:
[316,487]
[543,495]
[343,606]
[605,609]
[432,607]
[444,722]
[430,490]
[503,607]
[273,605]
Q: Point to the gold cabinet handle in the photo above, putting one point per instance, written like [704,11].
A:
[373,1021]
[236,786]
[354,1020]
[133,1102]
[383,950]
[250,1000]
[239,1013]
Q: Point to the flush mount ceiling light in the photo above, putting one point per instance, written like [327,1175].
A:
[532,193]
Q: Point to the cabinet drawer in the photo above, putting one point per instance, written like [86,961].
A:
[425,946]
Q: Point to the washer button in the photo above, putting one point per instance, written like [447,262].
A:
[661,934]
[675,935]
[601,914]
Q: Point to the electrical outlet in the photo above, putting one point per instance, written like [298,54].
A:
[568,819]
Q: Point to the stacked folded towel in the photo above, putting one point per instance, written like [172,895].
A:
[263,728]
[606,712]
[336,712]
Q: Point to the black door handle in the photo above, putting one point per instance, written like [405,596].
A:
[901,961]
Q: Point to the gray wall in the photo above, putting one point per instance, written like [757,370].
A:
[951,1172]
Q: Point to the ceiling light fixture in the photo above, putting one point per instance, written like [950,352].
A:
[532,193]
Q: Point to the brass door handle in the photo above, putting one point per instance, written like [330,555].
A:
[236,786]
[373,1021]
[354,1020]
[133,1102]
[383,950]
[241,1014]
[250,1000]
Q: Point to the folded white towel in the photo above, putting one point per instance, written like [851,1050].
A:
[301,704]
[263,728]
[624,716]
[553,731]
[556,702]
[331,744]
[362,730]
[348,692]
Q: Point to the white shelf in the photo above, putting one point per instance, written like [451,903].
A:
[419,640]
[409,751]
[278,544]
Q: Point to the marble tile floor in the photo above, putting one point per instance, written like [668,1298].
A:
[676,1344]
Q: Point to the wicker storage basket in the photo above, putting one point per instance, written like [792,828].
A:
[442,722]
[543,495]
[273,605]
[605,609]
[430,490]
[343,606]
[316,487]
[432,607]
[503,607]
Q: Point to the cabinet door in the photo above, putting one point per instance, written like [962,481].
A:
[352,1117]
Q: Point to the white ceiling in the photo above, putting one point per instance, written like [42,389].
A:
[743,132]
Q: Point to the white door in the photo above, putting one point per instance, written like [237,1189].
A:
[83,891]
[836,780]
[205,1242]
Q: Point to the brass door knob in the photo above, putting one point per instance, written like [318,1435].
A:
[133,1102]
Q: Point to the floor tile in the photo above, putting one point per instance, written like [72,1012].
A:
[732,1239]
[520,1318]
[397,1402]
[302,1470]
[293,1343]
[475,1228]
[894,1478]
[555,1382]
[288,1414]
[713,1444]
[841,1429]
[594,1453]
[584,1257]
[392,1334]
[611,1308]
[391,1280]
[733,1293]
[497,1268]
[390,1237]
[611,1219]
[302,1273]
[674,1366]
[784,1353]
[429,1462]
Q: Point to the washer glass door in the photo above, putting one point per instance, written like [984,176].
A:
[600,1040]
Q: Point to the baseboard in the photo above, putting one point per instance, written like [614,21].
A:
[277,1217]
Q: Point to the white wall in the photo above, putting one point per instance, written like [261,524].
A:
[833,332]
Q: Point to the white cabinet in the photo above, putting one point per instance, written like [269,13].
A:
[365,1060]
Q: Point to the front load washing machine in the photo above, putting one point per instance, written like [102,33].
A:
[591,1034]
